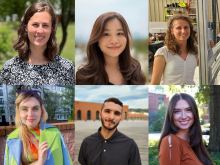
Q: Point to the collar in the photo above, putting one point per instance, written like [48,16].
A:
[111,139]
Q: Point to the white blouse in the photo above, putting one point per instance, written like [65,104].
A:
[177,71]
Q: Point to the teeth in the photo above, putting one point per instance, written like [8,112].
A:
[39,38]
[184,122]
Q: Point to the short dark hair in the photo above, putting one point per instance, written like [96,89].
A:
[114,100]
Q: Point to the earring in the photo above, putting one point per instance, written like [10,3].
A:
[41,122]
[21,123]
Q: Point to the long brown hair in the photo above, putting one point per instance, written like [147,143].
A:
[93,72]
[170,40]
[22,97]
[195,132]
[22,43]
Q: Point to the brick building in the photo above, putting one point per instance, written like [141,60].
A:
[90,111]
[155,99]
[138,116]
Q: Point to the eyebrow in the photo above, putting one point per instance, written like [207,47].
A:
[27,106]
[111,110]
[180,108]
[116,30]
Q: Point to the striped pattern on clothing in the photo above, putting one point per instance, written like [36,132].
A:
[34,135]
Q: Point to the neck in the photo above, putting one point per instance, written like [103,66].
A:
[182,45]
[37,56]
[106,134]
[111,62]
[183,134]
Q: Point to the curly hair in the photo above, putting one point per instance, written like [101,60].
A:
[22,43]
[170,40]
[93,72]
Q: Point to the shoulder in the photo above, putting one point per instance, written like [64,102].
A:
[91,139]
[174,141]
[14,134]
[63,61]
[163,51]
[12,62]
[123,138]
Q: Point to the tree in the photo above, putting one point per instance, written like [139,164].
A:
[68,99]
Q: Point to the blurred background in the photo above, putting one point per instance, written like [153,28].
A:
[135,14]
[11,13]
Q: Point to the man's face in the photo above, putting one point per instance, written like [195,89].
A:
[111,115]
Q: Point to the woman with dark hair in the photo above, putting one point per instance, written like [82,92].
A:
[108,53]
[175,63]
[38,62]
[34,142]
[181,138]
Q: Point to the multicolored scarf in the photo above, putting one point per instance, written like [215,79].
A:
[34,135]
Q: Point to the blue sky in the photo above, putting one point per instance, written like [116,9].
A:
[134,12]
[135,96]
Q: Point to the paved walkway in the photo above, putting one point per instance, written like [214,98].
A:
[137,130]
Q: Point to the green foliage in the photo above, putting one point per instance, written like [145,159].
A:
[215,158]
[141,45]
[71,117]
[202,95]
[153,152]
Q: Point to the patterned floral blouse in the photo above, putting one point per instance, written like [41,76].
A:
[18,72]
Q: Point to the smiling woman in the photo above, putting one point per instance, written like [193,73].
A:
[108,52]
[34,142]
[175,63]
[181,138]
[38,62]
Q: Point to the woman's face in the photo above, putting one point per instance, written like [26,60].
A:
[181,30]
[30,112]
[39,29]
[182,115]
[113,40]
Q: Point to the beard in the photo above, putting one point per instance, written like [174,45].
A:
[108,127]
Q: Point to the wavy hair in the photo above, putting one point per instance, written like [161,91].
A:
[23,135]
[93,72]
[22,43]
[195,132]
[170,40]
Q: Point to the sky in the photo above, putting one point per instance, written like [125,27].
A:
[135,96]
[134,12]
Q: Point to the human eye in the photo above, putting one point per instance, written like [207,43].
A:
[189,109]
[179,28]
[35,24]
[107,111]
[106,34]
[176,111]
[117,113]
[121,33]
[36,108]
[45,25]
[24,109]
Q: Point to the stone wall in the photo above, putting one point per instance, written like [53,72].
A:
[67,130]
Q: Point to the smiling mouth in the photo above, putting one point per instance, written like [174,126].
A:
[111,122]
[184,122]
[30,120]
[39,38]
[114,47]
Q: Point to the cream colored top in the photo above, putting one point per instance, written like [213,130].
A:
[177,71]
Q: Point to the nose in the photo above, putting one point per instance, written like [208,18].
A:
[111,115]
[30,113]
[40,29]
[184,116]
[114,39]
[183,30]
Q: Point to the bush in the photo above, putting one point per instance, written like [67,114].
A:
[158,125]
[153,152]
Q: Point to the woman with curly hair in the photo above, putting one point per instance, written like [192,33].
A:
[108,52]
[175,63]
[34,142]
[38,62]
[181,140]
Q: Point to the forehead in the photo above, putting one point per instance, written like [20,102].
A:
[182,104]
[112,106]
[180,22]
[30,102]
[41,17]
[113,24]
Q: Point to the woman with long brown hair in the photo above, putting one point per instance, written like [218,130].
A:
[108,53]
[38,62]
[175,63]
[181,140]
[34,142]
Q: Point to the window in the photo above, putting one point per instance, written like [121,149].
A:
[79,115]
[160,100]
[97,115]
[88,115]
[1,92]
[1,101]
[2,110]
[125,117]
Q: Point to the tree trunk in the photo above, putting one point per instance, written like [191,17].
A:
[214,140]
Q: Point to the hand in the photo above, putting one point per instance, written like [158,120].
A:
[42,152]
[212,44]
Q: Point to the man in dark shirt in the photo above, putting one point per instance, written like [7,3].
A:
[108,146]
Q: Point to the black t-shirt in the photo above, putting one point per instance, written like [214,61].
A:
[117,150]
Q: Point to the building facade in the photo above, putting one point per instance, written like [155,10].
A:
[90,111]
[156,99]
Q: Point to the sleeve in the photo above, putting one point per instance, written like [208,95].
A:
[6,157]
[82,157]
[135,155]
[2,75]
[162,52]
[72,75]
[164,155]
[66,156]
